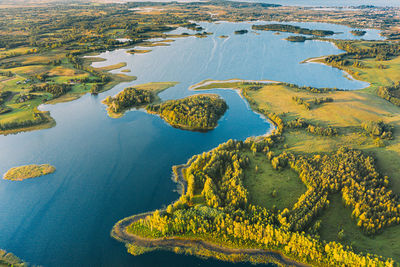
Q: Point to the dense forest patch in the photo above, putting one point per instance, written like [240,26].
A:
[138,96]
[215,205]
[198,112]
[28,171]
[291,29]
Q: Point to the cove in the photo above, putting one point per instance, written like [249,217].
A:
[108,169]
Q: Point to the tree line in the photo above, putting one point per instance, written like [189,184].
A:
[390,93]
[292,29]
[55,89]
[39,118]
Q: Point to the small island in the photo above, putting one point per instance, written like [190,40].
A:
[241,31]
[137,96]
[28,171]
[138,51]
[294,38]
[196,113]
[358,32]
[291,29]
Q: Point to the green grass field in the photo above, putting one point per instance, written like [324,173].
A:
[268,187]
[337,217]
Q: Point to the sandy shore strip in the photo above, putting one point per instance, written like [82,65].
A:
[208,82]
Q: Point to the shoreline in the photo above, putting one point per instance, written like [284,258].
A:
[239,92]
[318,60]
[120,233]
[42,126]
[208,82]
[117,78]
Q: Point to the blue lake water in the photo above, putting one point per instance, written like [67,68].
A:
[108,168]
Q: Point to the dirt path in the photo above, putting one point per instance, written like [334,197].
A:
[120,233]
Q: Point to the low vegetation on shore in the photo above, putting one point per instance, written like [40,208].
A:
[10,260]
[28,171]
[197,113]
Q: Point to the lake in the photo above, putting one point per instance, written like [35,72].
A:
[108,169]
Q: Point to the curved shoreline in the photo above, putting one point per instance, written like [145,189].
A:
[239,92]
[120,233]
[319,60]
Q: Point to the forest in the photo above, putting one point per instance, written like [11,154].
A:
[358,32]
[198,112]
[128,98]
[56,90]
[390,93]
[296,38]
[381,51]
[241,31]
[215,204]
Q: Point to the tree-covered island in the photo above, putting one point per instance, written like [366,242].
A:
[296,38]
[138,96]
[28,171]
[291,29]
[196,113]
